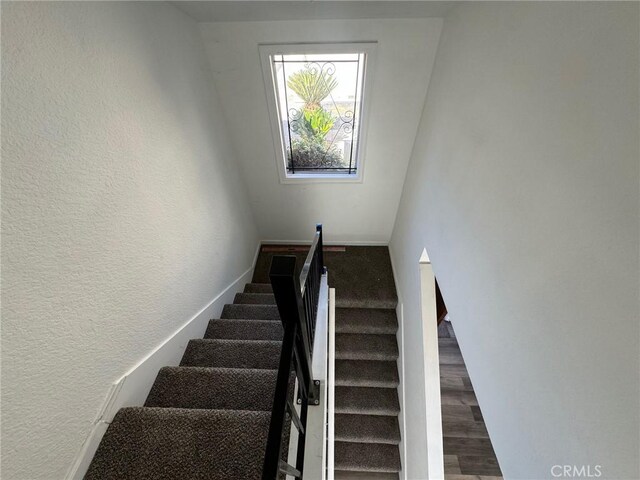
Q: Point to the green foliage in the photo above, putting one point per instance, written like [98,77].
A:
[312,86]
[317,123]
[311,149]
[310,153]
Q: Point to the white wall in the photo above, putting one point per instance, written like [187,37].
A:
[350,212]
[523,186]
[122,211]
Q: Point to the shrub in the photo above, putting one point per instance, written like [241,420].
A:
[308,154]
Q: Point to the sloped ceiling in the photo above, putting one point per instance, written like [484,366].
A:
[358,213]
[239,11]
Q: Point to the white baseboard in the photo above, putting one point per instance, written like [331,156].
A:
[134,386]
[401,388]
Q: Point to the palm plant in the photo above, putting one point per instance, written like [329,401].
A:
[310,149]
[312,86]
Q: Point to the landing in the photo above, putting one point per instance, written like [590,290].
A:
[362,276]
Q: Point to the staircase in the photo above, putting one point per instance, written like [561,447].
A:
[367,432]
[208,417]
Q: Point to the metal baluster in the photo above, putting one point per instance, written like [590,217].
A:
[298,307]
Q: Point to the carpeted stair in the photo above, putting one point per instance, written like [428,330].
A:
[366,399]
[149,443]
[209,417]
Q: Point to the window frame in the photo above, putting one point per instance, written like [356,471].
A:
[267,51]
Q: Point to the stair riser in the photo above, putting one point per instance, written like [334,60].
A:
[367,401]
[387,412]
[254,299]
[365,383]
[232,354]
[366,321]
[367,457]
[251,312]
[366,347]
[367,429]
[233,389]
[374,440]
[342,475]
[372,356]
[258,288]
[366,303]
[366,373]
[244,330]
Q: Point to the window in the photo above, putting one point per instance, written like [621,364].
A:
[317,99]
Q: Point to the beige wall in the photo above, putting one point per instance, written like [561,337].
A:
[523,187]
[123,213]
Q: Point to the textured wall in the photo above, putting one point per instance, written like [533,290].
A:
[351,212]
[122,211]
[523,187]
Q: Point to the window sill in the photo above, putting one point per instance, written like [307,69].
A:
[315,178]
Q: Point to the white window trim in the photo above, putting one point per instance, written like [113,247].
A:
[268,50]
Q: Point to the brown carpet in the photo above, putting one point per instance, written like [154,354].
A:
[208,418]
[367,408]
[362,276]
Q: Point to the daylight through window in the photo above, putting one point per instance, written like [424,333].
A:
[319,104]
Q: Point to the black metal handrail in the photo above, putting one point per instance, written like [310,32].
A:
[297,300]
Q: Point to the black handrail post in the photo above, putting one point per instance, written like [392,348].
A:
[297,301]
[320,245]
[271,464]
[283,282]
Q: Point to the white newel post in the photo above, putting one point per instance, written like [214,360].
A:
[435,457]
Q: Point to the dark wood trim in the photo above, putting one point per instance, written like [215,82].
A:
[441,307]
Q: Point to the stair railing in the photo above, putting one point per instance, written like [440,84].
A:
[297,300]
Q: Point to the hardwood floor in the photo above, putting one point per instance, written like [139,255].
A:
[468,453]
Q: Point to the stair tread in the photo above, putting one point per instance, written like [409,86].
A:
[367,401]
[366,320]
[352,346]
[163,443]
[239,329]
[367,428]
[213,388]
[258,288]
[361,275]
[346,475]
[367,373]
[250,312]
[366,457]
[232,353]
[243,298]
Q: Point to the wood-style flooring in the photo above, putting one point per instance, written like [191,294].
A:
[468,453]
